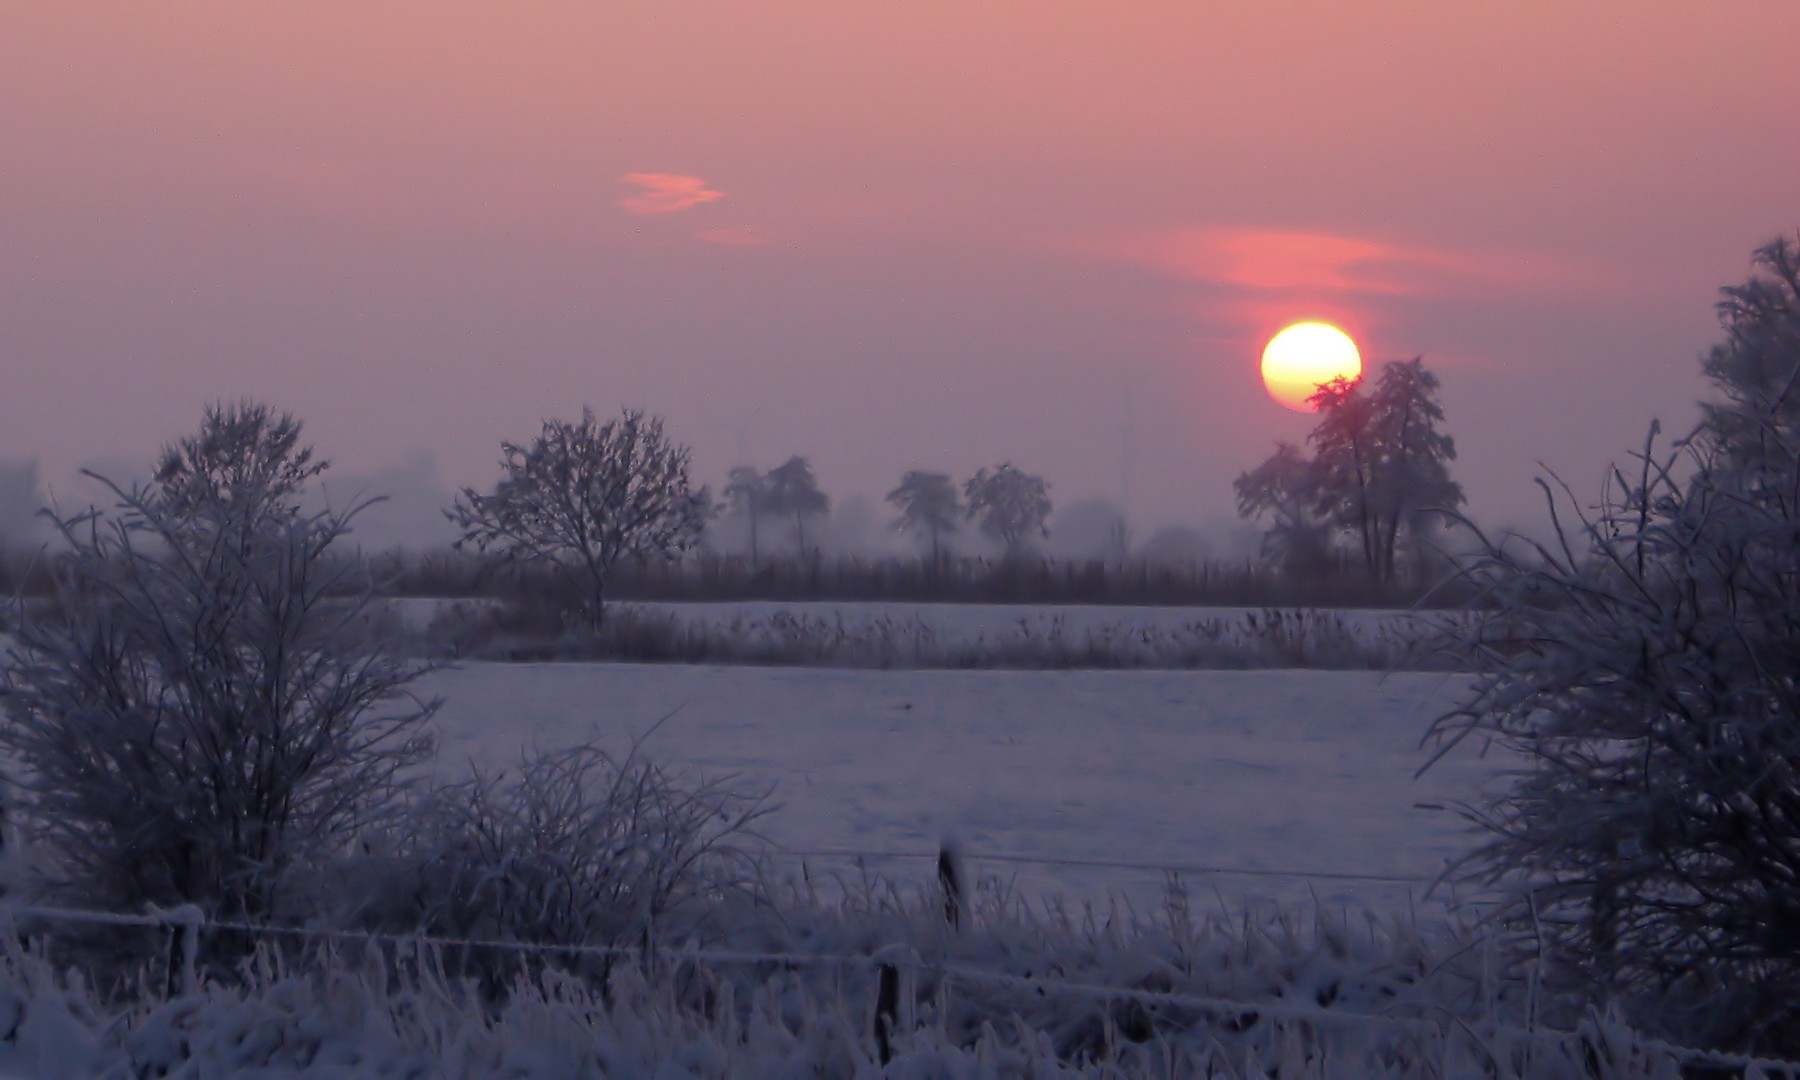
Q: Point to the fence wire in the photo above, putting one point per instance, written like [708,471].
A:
[1118,864]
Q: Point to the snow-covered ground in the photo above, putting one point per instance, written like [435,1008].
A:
[1291,771]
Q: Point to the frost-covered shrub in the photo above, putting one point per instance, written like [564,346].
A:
[203,714]
[1648,666]
[574,847]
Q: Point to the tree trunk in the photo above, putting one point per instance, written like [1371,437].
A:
[1400,497]
[597,598]
[1370,560]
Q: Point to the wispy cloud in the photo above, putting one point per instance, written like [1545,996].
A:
[733,236]
[1273,260]
[666,193]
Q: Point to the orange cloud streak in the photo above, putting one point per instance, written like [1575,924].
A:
[666,193]
[1272,260]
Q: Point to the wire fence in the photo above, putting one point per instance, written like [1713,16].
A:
[1197,869]
[891,964]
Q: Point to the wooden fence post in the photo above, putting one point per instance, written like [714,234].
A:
[184,950]
[951,877]
[896,969]
[887,1011]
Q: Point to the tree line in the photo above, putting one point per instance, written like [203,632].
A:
[587,495]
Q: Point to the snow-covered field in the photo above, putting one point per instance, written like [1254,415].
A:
[1283,788]
[1300,772]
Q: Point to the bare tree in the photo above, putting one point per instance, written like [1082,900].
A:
[582,496]
[747,493]
[205,712]
[1410,481]
[1011,505]
[1282,488]
[1646,664]
[791,488]
[243,453]
[928,504]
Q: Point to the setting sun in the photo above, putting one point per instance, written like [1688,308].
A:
[1304,355]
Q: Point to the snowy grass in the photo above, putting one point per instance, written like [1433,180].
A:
[1093,992]
[934,636]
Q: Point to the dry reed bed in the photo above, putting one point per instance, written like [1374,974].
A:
[1273,638]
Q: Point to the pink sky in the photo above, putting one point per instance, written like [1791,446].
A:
[886,236]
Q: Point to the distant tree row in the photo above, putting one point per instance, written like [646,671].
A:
[584,496]
[788,490]
[1010,505]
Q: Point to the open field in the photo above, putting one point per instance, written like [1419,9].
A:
[1251,770]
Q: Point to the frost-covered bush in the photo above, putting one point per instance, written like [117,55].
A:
[574,847]
[1648,666]
[204,714]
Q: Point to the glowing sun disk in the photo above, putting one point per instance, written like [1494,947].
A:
[1302,356]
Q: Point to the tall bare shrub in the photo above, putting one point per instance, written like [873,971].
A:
[207,711]
[1647,666]
[572,847]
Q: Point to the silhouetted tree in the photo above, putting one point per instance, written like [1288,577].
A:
[1379,468]
[1341,470]
[792,489]
[1282,488]
[583,496]
[1011,505]
[747,493]
[1411,477]
[928,505]
[1646,663]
